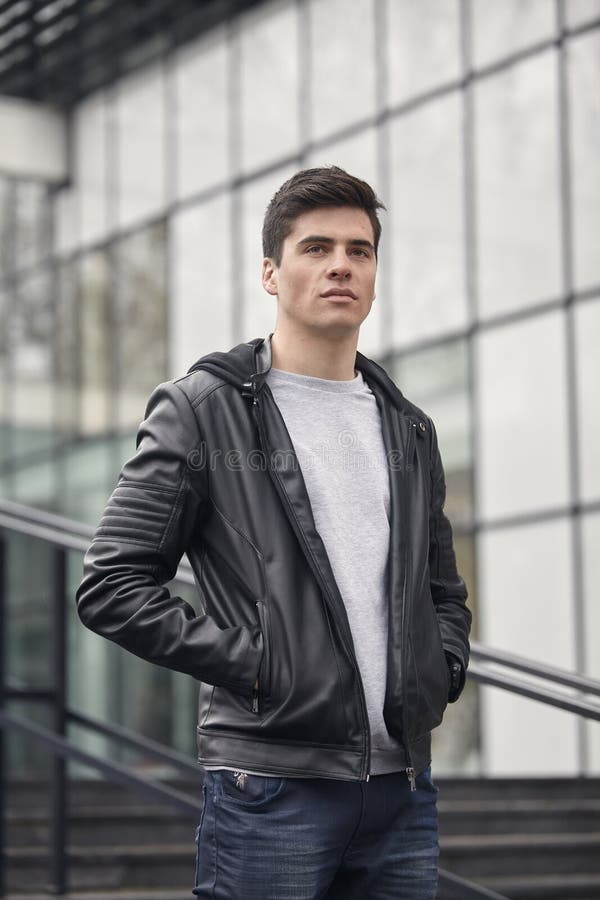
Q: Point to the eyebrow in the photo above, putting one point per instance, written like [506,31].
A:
[322,239]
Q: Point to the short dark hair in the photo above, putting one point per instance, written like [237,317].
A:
[311,189]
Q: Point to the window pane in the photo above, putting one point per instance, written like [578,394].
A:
[525,578]
[97,358]
[587,331]
[437,381]
[90,144]
[259,308]
[426,215]
[342,74]
[269,88]
[358,155]
[201,84]
[8,200]
[66,220]
[32,225]
[201,289]
[500,29]
[584,87]
[141,321]
[67,351]
[423,45]
[33,364]
[5,381]
[591,575]
[580,11]
[518,186]
[522,415]
[141,141]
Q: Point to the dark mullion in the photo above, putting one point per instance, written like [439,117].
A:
[573,418]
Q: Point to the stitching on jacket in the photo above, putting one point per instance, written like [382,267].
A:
[205,393]
[165,489]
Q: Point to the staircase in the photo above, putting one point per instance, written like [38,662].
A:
[523,838]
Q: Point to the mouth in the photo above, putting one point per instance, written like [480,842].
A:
[339,294]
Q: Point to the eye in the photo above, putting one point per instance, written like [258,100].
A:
[314,249]
[360,251]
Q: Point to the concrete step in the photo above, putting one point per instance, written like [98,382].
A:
[144,894]
[479,856]
[106,868]
[104,825]
[523,816]
[582,886]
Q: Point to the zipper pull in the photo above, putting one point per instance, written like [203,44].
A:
[255,700]
[410,774]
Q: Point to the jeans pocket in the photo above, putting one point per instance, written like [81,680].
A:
[243,789]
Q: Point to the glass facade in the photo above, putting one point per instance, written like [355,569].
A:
[479,126]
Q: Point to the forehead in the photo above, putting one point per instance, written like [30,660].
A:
[342,223]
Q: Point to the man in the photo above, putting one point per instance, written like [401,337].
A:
[308,495]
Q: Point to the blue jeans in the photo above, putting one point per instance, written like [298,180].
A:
[268,838]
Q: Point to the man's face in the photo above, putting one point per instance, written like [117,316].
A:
[326,279]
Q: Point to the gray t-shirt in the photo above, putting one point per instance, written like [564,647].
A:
[335,428]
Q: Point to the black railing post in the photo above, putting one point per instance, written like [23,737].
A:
[3,778]
[58,826]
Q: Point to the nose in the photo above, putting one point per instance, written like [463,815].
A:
[339,266]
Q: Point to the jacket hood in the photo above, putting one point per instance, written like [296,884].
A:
[246,366]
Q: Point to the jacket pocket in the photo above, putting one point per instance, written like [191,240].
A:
[261,697]
[429,684]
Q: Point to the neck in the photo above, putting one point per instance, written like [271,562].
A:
[320,356]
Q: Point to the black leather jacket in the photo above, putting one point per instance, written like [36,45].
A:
[215,476]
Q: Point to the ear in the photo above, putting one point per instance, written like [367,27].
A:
[269,276]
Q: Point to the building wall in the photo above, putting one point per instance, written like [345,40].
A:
[479,125]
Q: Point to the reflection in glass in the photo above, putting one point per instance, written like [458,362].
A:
[426,217]
[518,186]
[522,417]
[6,451]
[90,144]
[342,43]
[66,370]
[141,326]
[201,287]
[33,364]
[201,85]
[583,56]
[587,336]
[29,573]
[423,46]
[269,68]
[141,143]
[32,223]
[65,215]
[526,578]
[8,190]
[97,357]
[500,29]
[437,380]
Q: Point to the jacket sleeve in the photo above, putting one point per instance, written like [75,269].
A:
[145,530]
[448,590]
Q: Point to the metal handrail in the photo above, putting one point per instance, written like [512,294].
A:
[542,670]
[61,531]
[123,774]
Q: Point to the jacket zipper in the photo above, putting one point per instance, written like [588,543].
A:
[410,771]
[257,410]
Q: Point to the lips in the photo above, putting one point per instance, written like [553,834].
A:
[340,292]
